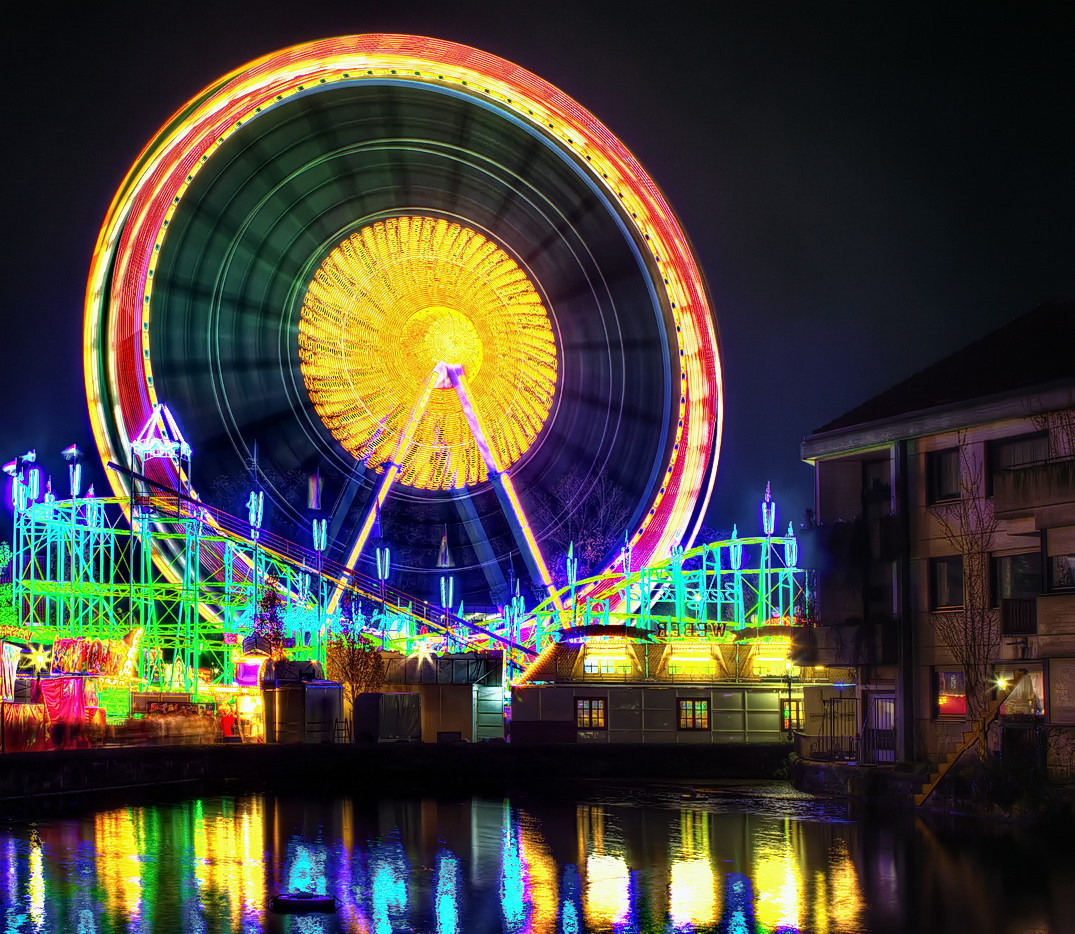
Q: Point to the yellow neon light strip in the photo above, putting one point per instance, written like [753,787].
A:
[401,296]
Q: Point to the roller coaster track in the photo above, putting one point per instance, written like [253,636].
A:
[173,504]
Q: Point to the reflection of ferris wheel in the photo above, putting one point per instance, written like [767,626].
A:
[426,274]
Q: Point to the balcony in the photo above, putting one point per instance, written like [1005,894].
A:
[1019,617]
[1020,492]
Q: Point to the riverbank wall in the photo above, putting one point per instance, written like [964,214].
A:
[981,791]
[850,780]
[396,768]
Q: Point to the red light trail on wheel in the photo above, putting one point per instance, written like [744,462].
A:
[119,294]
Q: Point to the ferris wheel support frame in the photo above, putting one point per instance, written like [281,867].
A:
[452,376]
[505,489]
[392,469]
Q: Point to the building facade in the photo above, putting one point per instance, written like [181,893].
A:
[945,542]
[693,691]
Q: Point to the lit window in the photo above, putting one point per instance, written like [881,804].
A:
[791,714]
[693,714]
[951,694]
[1027,695]
[599,665]
[590,713]
[697,665]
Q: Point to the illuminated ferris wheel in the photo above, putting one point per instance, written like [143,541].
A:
[427,276]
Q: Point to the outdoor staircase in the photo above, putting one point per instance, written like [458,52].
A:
[972,736]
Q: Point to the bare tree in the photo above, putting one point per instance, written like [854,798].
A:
[1061,428]
[972,634]
[591,513]
[355,661]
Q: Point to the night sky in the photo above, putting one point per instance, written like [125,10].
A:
[867,188]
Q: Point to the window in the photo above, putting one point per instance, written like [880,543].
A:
[1062,572]
[942,475]
[951,694]
[1027,696]
[946,583]
[605,658]
[1016,452]
[693,714]
[1016,585]
[599,665]
[590,713]
[1016,577]
[1019,451]
[791,714]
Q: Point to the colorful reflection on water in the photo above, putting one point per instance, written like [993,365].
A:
[480,865]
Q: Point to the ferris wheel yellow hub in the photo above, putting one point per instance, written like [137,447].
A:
[390,303]
[445,336]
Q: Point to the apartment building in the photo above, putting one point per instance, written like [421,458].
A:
[945,540]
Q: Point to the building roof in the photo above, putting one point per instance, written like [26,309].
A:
[1036,349]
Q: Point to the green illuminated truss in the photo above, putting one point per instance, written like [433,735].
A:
[80,571]
[739,587]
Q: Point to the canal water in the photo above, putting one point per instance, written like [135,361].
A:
[735,858]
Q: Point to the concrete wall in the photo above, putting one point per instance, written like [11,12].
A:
[446,708]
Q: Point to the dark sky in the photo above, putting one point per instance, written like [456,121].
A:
[867,186]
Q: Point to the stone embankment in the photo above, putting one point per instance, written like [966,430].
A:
[390,768]
[877,784]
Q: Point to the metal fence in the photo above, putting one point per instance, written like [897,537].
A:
[838,737]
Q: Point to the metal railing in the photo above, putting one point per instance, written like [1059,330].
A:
[837,740]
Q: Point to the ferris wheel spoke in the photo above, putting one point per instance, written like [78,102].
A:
[392,470]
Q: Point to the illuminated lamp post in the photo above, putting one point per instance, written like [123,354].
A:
[384,565]
[26,485]
[513,616]
[572,580]
[24,490]
[320,538]
[447,591]
[255,509]
[73,456]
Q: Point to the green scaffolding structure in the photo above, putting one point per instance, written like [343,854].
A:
[81,570]
[737,588]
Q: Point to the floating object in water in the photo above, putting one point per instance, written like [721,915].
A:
[292,903]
